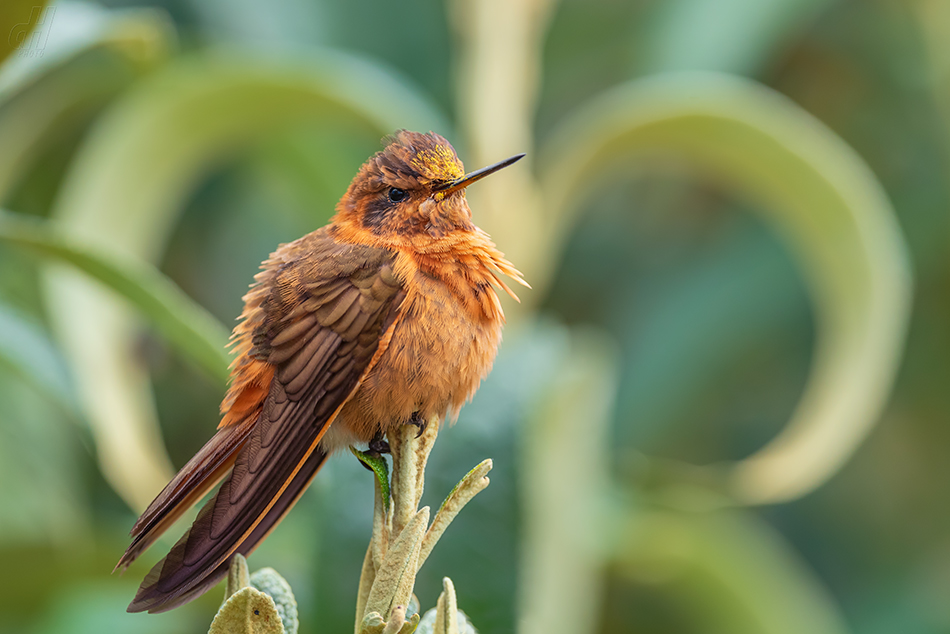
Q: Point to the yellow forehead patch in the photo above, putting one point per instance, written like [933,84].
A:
[438,163]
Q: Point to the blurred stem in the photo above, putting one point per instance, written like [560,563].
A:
[934,21]
[567,532]
[499,75]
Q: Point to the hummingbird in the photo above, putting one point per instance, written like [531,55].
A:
[386,316]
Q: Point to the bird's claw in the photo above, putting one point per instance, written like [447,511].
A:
[379,444]
[419,422]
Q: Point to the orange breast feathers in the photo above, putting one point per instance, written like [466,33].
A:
[443,343]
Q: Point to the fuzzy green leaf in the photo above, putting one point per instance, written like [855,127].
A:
[267,580]
[396,577]
[248,611]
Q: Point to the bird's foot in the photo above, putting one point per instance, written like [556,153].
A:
[418,421]
[378,444]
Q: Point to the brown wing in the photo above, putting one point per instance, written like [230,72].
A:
[319,313]
[273,517]
[195,479]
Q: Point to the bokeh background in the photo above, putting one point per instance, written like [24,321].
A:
[723,406]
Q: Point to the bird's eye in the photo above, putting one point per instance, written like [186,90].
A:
[397,195]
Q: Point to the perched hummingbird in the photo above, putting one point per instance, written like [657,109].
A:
[386,316]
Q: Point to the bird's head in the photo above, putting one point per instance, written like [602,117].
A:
[411,191]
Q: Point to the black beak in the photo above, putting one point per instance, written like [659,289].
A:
[461,183]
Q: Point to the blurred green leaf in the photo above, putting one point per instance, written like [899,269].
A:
[88,56]
[28,350]
[733,36]
[130,180]
[748,295]
[194,332]
[728,572]
[97,606]
[42,499]
[820,196]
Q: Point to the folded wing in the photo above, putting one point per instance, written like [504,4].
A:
[316,318]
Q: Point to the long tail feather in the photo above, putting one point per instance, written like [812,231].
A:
[195,479]
[153,598]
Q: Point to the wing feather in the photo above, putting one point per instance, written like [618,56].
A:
[273,517]
[350,298]
[195,479]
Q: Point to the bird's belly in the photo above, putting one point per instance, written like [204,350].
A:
[439,352]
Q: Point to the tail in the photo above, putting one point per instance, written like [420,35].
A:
[172,582]
[192,483]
